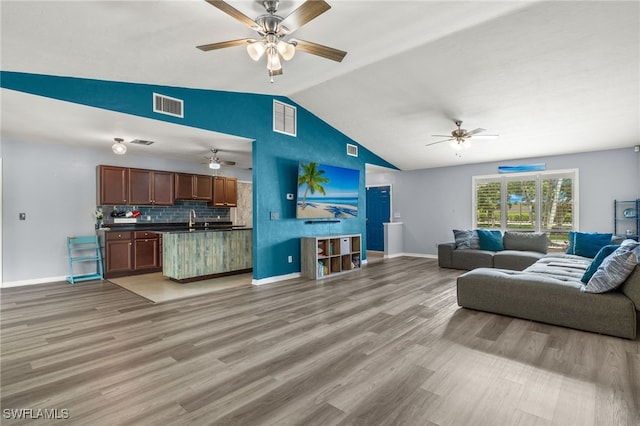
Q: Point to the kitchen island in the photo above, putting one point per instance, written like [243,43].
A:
[198,254]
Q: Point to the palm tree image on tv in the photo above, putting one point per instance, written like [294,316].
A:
[311,178]
[326,191]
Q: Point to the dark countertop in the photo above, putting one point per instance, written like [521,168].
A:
[173,227]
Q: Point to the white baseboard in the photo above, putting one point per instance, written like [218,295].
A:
[34,281]
[428,256]
[276,278]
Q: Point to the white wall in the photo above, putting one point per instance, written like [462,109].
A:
[433,202]
[56,188]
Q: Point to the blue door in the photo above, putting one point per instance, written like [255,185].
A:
[378,212]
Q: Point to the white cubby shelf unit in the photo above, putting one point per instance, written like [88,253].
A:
[329,255]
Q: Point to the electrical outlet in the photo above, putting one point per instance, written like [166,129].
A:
[23,216]
[275,215]
[290,259]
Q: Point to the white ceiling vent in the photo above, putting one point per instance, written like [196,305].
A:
[284,118]
[352,150]
[166,105]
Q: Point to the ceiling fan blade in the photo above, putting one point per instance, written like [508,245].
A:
[227,163]
[436,143]
[442,136]
[474,131]
[223,44]
[309,10]
[234,13]
[320,50]
[476,137]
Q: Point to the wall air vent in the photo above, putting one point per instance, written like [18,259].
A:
[352,150]
[166,105]
[284,118]
[141,142]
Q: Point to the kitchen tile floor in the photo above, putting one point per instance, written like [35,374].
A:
[157,288]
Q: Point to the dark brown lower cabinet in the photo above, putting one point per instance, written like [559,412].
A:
[128,253]
[146,251]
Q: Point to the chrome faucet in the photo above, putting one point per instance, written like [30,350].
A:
[192,218]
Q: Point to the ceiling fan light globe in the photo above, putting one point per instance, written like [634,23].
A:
[286,50]
[214,166]
[256,50]
[273,60]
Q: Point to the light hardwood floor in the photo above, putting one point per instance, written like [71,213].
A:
[387,345]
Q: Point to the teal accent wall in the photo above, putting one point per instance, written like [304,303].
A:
[275,155]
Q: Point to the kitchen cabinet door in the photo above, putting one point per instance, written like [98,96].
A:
[163,188]
[231,192]
[146,253]
[183,186]
[113,188]
[225,192]
[202,187]
[118,259]
[192,187]
[140,187]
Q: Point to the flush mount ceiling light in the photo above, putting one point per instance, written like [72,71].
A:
[273,29]
[118,147]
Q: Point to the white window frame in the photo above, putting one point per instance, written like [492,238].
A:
[539,176]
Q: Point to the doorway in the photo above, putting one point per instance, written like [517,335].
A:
[378,212]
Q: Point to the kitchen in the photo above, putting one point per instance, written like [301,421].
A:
[189,226]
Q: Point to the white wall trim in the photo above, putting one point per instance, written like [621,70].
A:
[34,281]
[428,256]
[276,278]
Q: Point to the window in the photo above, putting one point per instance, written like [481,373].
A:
[538,201]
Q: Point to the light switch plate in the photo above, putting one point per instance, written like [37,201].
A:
[275,215]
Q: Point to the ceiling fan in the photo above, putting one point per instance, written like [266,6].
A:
[460,137]
[273,29]
[215,162]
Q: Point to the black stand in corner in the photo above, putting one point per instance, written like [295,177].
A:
[323,221]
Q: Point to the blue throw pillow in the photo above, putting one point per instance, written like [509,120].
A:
[593,267]
[588,244]
[584,243]
[490,240]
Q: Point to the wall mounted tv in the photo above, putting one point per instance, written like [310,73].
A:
[327,192]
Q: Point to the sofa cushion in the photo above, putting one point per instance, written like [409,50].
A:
[471,259]
[597,261]
[490,240]
[516,260]
[587,244]
[466,239]
[527,241]
[613,270]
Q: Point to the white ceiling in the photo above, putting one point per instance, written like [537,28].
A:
[548,77]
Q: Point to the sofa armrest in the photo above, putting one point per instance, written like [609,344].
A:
[445,254]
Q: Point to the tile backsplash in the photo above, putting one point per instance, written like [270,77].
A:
[179,212]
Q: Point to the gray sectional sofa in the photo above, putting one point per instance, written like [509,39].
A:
[549,291]
[521,249]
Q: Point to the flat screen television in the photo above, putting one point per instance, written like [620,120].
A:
[327,192]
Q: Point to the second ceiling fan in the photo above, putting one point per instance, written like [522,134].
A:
[273,30]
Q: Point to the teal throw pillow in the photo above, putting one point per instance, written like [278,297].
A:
[614,270]
[490,240]
[587,244]
[597,261]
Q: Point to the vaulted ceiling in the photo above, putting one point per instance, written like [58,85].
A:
[548,77]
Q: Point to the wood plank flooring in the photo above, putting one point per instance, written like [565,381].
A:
[386,345]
